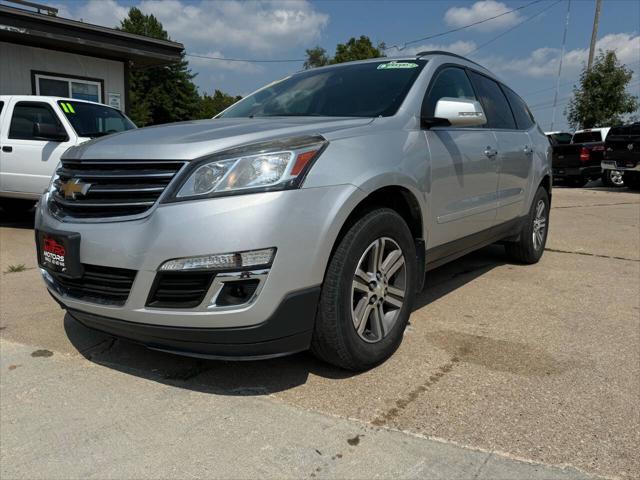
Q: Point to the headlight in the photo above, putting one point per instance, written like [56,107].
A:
[267,166]
[54,177]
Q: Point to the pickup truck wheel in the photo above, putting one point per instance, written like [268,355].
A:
[612,178]
[533,238]
[16,205]
[368,293]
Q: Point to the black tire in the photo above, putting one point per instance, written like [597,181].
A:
[632,182]
[16,206]
[524,249]
[576,182]
[335,339]
[608,179]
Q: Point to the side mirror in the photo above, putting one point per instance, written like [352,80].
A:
[457,112]
[49,131]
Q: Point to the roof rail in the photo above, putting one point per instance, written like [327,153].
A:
[442,52]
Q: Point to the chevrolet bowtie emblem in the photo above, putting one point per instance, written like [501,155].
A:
[73,187]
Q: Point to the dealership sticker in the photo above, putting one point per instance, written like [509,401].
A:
[392,65]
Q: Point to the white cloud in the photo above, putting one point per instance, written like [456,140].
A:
[543,62]
[460,47]
[261,27]
[107,13]
[461,16]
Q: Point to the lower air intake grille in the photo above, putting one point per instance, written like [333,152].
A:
[109,188]
[105,285]
[179,289]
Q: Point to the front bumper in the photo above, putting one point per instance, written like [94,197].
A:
[287,331]
[302,224]
[613,165]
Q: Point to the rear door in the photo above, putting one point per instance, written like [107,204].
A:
[28,162]
[463,166]
[514,147]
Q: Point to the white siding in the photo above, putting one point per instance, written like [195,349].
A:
[17,62]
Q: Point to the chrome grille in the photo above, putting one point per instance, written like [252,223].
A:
[116,188]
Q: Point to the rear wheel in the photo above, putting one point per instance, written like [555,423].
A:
[367,294]
[533,238]
[612,178]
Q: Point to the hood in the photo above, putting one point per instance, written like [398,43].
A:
[190,140]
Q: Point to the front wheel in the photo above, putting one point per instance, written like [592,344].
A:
[367,293]
[612,178]
[533,237]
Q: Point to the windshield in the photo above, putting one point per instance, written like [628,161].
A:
[350,90]
[93,120]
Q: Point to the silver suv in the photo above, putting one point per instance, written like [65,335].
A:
[304,216]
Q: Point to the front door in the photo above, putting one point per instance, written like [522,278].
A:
[464,164]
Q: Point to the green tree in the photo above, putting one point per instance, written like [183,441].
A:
[212,105]
[159,94]
[355,49]
[601,99]
[316,57]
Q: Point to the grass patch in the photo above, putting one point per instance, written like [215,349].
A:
[16,268]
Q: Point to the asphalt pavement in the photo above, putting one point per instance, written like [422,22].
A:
[506,371]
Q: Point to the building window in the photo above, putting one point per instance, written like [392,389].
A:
[69,87]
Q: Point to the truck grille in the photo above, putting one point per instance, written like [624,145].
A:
[109,188]
[105,285]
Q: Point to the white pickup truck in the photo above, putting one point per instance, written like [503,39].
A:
[35,131]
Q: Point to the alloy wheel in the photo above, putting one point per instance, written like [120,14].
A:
[539,225]
[617,178]
[378,289]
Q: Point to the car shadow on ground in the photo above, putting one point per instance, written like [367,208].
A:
[248,378]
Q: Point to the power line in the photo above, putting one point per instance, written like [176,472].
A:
[246,60]
[516,26]
[447,32]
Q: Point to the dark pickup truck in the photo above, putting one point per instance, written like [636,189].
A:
[622,154]
[579,161]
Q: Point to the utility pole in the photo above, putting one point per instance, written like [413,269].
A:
[564,42]
[594,33]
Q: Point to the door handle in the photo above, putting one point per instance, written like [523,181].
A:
[490,152]
[7,149]
[527,150]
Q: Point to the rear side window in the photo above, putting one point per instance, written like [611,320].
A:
[26,115]
[587,137]
[495,104]
[1,106]
[450,82]
[524,119]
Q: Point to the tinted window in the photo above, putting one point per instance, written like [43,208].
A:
[495,104]
[560,138]
[26,115]
[524,119]
[357,90]
[450,82]
[91,120]
[1,106]
[586,137]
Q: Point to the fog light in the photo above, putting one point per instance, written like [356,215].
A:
[236,293]
[222,261]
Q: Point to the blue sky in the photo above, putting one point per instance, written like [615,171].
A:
[526,57]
